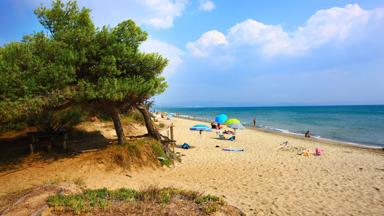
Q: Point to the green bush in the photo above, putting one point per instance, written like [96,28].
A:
[157,149]
[207,198]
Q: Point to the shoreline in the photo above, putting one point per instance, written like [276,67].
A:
[327,141]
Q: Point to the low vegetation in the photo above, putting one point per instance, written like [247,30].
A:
[149,202]
[161,155]
[133,117]
[134,153]
[161,125]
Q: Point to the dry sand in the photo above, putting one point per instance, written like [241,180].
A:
[262,180]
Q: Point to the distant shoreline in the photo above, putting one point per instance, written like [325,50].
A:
[318,139]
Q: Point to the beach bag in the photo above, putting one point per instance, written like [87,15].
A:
[185,146]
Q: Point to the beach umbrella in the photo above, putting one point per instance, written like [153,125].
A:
[236,126]
[221,118]
[231,121]
[200,127]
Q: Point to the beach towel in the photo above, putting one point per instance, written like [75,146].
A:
[234,150]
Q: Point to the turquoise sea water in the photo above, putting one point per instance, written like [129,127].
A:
[356,124]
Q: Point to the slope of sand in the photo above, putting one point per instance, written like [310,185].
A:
[262,180]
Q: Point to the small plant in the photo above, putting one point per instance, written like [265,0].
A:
[79,181]
[207,198]
[211,208]
[124,194]
[133,149]
[160,154]
[165,197]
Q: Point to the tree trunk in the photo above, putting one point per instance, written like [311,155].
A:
[117,123]
[148,123]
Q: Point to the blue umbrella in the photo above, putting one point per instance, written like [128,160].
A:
[200,127]
[221,118]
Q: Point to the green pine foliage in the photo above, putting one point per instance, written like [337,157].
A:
[74,63]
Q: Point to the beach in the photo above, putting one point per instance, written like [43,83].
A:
[264,179]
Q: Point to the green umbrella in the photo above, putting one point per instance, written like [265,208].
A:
[231,121]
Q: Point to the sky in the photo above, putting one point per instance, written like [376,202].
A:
[247,53]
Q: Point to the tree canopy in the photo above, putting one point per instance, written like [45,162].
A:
[75,63]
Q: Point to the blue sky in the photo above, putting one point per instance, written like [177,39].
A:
[247,53]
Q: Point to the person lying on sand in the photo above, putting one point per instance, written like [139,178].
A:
[229,132]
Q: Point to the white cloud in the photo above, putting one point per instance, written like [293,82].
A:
[324,27]
[206,5]
[159,14]
[334,24]
[171,52]
[207,41]
[251,32]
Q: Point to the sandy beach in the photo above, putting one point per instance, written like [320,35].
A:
[267,180]
[264,179]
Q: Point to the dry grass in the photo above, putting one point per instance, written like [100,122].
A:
[70,199]
[135,153]
[8,199]
[152,201]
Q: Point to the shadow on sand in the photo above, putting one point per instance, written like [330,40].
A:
[15,151]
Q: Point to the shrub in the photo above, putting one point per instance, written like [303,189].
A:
[159,152]
[211,208]
[133,116]
[207,198]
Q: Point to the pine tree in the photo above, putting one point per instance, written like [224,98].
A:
[75,63]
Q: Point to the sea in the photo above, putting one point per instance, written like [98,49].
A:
[360,125]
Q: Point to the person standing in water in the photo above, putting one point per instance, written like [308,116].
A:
[254,122]
[307,134]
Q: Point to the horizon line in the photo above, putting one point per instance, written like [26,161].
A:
[266,106]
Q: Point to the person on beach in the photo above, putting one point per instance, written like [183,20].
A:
[254,122]
[307,134]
